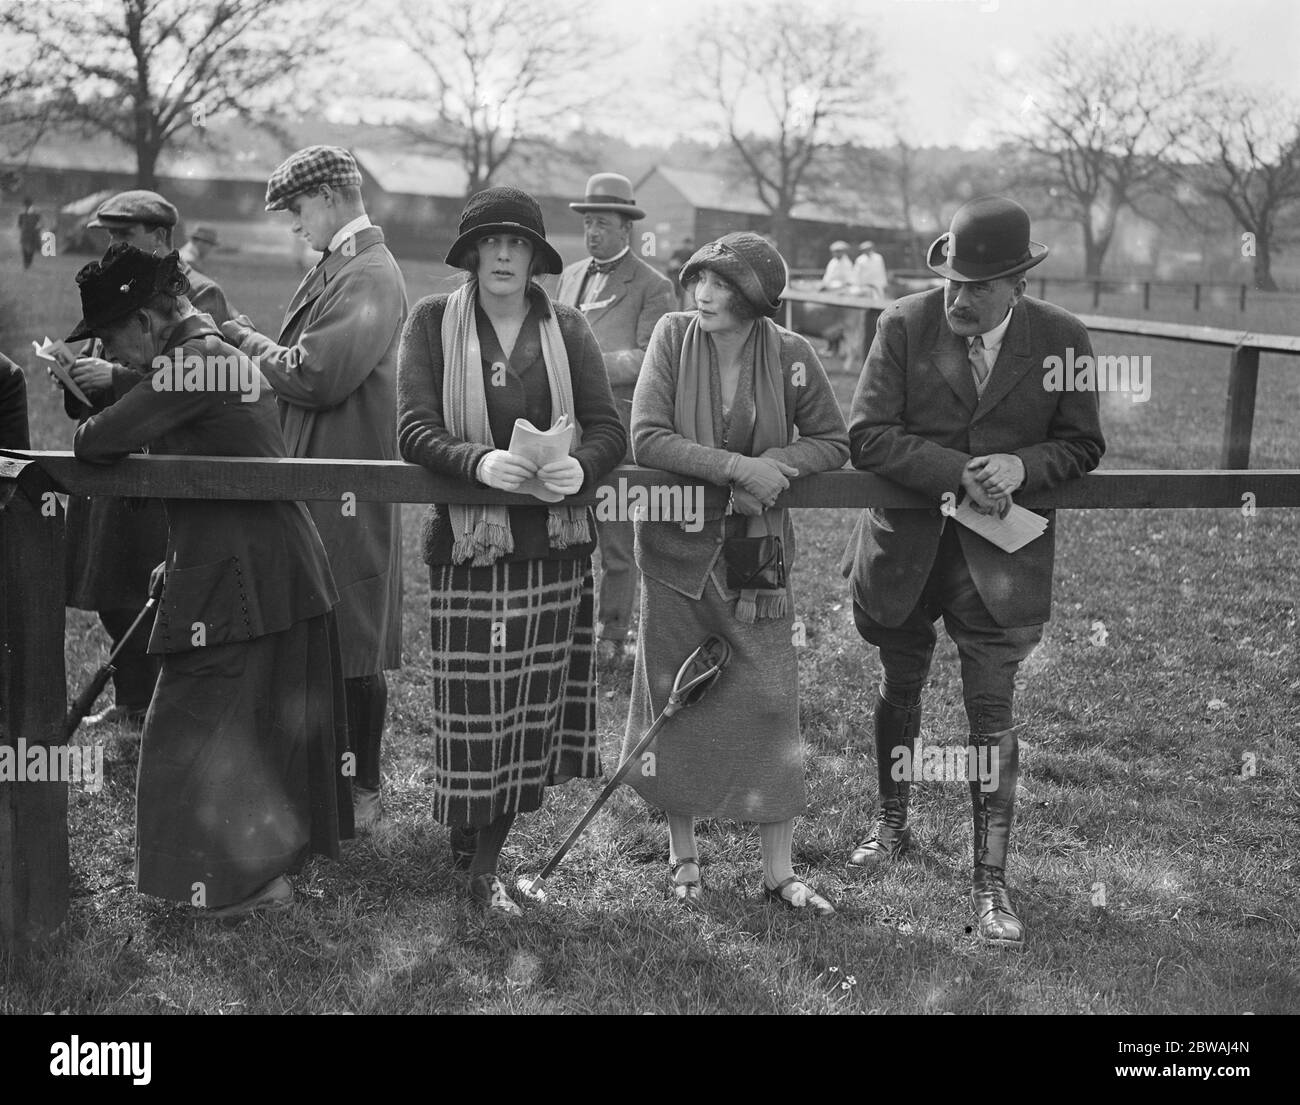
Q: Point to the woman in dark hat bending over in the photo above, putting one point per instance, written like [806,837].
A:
[242,758]
[728,397]
[514,705]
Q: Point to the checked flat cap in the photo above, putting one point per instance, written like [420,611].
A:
[307,169]
[136,206]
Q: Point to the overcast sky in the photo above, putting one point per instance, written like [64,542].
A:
[940,48]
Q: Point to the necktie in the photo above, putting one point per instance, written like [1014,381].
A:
[601,266]
[977,364]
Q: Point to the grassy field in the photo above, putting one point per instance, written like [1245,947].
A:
[1154,873]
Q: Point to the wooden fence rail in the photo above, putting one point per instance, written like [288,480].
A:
[1243,360]
[33,815]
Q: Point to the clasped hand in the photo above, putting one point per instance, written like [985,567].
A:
[507,471]
[764,478]
[990,480]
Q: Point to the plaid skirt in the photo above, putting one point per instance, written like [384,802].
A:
[514,692]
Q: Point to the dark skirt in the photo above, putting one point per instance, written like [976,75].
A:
[242,765]
[514,694]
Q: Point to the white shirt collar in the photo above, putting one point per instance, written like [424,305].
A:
[993,339]
[345,232]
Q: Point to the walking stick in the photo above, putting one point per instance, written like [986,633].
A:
[694,678]
[83,702]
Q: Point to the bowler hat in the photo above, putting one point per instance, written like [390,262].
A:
[125,280]
[204,233]
[609,192]
[987,239]
[503,210]
[749,262]
[139,205]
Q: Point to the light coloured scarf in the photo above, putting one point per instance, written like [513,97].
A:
[693,418]
[481,532]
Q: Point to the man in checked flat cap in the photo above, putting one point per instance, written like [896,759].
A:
[114,544]
[334,371]
[622,298]
[953,402]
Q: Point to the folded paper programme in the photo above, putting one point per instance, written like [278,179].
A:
[1013,532]
[541,447]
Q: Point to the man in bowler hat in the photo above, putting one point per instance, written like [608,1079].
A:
[951,404]
[334,371]
[622,298]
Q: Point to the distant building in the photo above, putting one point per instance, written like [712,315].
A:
[683,203]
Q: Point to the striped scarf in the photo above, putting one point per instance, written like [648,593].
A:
[481,532]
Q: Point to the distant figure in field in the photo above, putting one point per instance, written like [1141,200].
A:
[202,241]
[869,273]
[839,269]
[29,231]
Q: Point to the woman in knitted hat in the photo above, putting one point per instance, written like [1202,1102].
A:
[241,760]
[722,397]
[514,706]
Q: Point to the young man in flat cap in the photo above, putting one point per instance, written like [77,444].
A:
[622,298]
[952,404]
[334,371]
[203,240]
[114,544]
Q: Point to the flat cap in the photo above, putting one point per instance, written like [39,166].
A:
[136,206]
[204,233]
[309,168]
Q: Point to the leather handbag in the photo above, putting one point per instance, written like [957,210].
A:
[754,563]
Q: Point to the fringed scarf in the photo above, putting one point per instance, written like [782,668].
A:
[481,533]
[693,418]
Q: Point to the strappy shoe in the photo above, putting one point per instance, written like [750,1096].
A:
[802,896]
[688,893]
[491,893]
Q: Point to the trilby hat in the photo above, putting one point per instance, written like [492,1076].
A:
[609,192]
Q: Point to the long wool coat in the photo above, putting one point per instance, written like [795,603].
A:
[334,371]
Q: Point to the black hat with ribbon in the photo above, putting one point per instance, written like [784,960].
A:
[503,210]
[126,279]
[987,239]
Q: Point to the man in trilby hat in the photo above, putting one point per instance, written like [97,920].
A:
[334,371]
[952,405]
[622,298]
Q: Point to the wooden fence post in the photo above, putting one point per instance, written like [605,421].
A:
[1243,374]
[1196,297]
[33,699]
[1146,295]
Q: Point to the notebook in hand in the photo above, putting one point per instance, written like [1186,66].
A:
[541,447]
[1013,532]
[61,359]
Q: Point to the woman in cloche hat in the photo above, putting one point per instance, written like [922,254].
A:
[728,397]
[240,774]
[511,624]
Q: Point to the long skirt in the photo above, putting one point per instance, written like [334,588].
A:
[514,695]
[737,752]
[243,768]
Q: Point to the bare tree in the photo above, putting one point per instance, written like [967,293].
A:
[1106,117]
[504,76]
[1254,169]
[787,82]
[152,73]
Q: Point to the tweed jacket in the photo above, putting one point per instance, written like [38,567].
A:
[425,439]
[916,419]
[634,299]
[666,551]
[241,569]
[334,371]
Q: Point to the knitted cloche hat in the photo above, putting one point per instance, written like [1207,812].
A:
[748,261]
[508,210]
